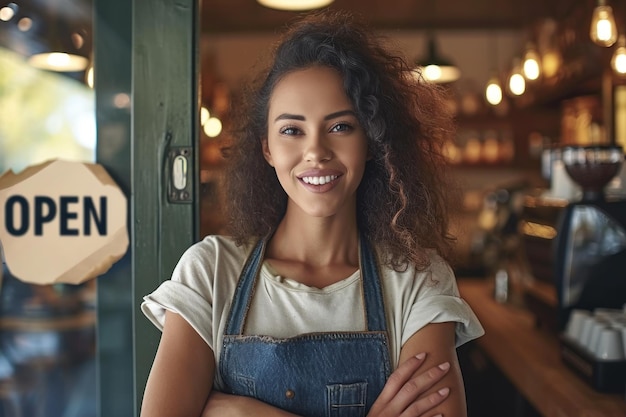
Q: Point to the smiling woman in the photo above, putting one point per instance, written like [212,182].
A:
[332,295]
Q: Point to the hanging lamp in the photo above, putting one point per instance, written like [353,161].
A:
[295,5]
[435,68]
[603,30]
[618,61]
[64,49]
[493,90]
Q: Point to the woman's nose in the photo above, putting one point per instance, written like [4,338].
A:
[317,148]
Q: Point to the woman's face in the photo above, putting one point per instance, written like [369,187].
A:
[315,142]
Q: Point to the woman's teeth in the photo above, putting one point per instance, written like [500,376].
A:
[319,180]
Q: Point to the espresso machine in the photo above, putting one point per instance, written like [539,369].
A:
[590,245]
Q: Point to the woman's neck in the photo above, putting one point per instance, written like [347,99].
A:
[317,242]
[314,251]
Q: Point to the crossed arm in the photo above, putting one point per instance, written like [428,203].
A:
[181,379]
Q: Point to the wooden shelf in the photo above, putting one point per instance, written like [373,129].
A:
[530,359]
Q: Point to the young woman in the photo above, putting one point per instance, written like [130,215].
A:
[331,296]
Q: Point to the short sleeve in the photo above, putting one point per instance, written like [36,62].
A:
[437,300]
[177,297]
[191,291]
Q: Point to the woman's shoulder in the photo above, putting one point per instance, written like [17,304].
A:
[436,276]
[435,265]
[217,246]
[212,253]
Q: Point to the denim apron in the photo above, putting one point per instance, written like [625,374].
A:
[314,374]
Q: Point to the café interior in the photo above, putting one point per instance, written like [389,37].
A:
[538,92]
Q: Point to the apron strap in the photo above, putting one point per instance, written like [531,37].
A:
[245,290]
[372,291]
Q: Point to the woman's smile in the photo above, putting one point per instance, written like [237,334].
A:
[322,180]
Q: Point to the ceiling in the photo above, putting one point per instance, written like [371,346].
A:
[239,16]
[249,17]
[219,16]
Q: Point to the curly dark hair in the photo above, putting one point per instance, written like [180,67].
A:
[402,199]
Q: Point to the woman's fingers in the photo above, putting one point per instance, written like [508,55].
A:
[424,381]
[411,391]
[421,405]
[402,394]
[400,376]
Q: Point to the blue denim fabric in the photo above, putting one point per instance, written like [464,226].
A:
[317,374]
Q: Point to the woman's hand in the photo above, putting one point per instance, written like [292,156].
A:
[403,392]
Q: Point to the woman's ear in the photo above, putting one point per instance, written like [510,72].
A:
[266,152]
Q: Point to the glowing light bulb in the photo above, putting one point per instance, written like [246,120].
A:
[618,61]
[89,77]
[531,67]
[295,5]
[25,24]
[551,63]
[204,115]
[517,82]
[213,127]
[6,14]
[493,92]
[58,59]
[603,30]
[432,72]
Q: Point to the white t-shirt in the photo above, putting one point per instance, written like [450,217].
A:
[204,281]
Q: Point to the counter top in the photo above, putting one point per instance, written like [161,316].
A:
[530,359]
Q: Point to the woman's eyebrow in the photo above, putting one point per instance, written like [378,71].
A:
[287,116]
[339,114]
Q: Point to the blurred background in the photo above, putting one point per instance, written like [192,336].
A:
[525,78]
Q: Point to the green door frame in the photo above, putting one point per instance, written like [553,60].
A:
[146,66]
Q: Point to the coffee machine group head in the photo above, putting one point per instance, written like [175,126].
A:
[590,246]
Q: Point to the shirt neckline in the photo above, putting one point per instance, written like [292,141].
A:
[289,284]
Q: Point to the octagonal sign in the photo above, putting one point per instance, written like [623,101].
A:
[61,222]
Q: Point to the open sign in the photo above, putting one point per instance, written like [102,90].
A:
[61,221]
[20,214]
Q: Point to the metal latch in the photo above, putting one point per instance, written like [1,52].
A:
[180,182]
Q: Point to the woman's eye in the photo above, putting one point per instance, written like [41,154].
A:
[341,127]
[289,130]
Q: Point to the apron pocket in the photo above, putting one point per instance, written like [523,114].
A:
[346,400]
[244,385]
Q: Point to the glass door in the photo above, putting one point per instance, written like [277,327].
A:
[47,331]
[85,349]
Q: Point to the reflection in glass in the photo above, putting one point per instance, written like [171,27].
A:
[47,332]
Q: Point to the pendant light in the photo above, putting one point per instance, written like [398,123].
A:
[435,68]
[603,30]
[493,91]
[59,61]
[8,12]
[65,47]
[618,61]
[531,67]
[295,5]
[517,82]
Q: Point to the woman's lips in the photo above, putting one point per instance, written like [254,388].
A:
[319,181]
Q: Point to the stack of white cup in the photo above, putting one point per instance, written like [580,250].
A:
[602,333]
